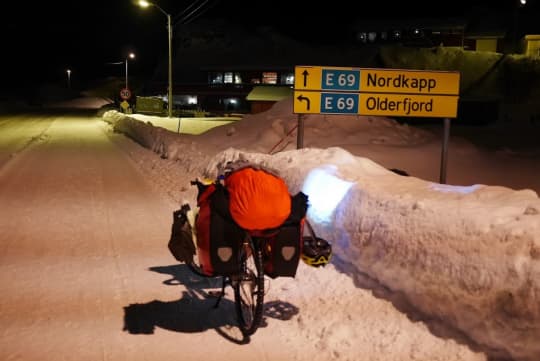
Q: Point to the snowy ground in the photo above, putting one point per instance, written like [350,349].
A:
[422,271]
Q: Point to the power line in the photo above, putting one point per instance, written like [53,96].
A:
[195,13]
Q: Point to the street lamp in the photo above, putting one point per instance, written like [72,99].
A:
[130,56]
[145,4]
[69,78]
[517,9]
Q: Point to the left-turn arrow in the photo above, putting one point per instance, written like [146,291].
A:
[303,98]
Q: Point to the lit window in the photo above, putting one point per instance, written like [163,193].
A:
[215,78]
[230,103]
[237,78]
[192,100]
[372,37]
[269,77]
[362,37]
[255,81]
[228,78]
[287,78]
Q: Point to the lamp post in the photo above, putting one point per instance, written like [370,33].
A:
[516,30]
[145,4]
[130,56]
[68,78]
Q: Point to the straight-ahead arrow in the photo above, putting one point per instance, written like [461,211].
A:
[305,73]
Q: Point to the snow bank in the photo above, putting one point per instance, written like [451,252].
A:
[409,235]
[468,256]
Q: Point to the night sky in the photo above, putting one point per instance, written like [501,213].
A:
[41,39]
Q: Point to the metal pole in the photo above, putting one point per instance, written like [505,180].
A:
[444,153]
[300,132]
[170,65]
[127,74]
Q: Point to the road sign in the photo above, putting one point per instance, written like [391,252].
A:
[318,78]
[411,105]
[367,91]
[125,93]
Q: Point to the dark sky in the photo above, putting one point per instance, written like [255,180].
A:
[41,39]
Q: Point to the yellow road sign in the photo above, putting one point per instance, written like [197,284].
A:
[412,105]
[376,80]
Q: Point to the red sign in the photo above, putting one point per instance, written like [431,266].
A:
[125,93]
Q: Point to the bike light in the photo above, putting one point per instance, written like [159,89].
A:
[325,192]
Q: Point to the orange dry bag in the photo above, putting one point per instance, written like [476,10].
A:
[257,199]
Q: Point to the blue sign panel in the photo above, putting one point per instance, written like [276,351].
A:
[342,80]
[339,103]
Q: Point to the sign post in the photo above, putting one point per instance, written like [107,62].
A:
[382,92]
[300,132]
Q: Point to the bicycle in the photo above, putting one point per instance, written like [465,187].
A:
[255,255]
[247,283]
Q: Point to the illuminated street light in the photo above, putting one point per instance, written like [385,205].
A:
[130,56]
[516,30]
[145,4]
[69,78]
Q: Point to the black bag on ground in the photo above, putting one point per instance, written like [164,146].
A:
[181,242]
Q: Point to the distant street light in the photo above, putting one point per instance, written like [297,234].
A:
[145,4]
[130,56]
[68,78]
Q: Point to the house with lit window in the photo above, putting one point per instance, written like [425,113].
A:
[220,65]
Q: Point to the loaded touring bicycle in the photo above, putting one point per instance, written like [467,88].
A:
[243,242]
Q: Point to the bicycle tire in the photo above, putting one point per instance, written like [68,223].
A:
[249,290]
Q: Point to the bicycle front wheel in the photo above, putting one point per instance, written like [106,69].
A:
[249,289]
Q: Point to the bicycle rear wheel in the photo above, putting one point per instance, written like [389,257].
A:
[249,288]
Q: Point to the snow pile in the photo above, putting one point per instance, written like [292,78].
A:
[467,256]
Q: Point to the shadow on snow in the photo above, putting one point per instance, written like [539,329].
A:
[195,311]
